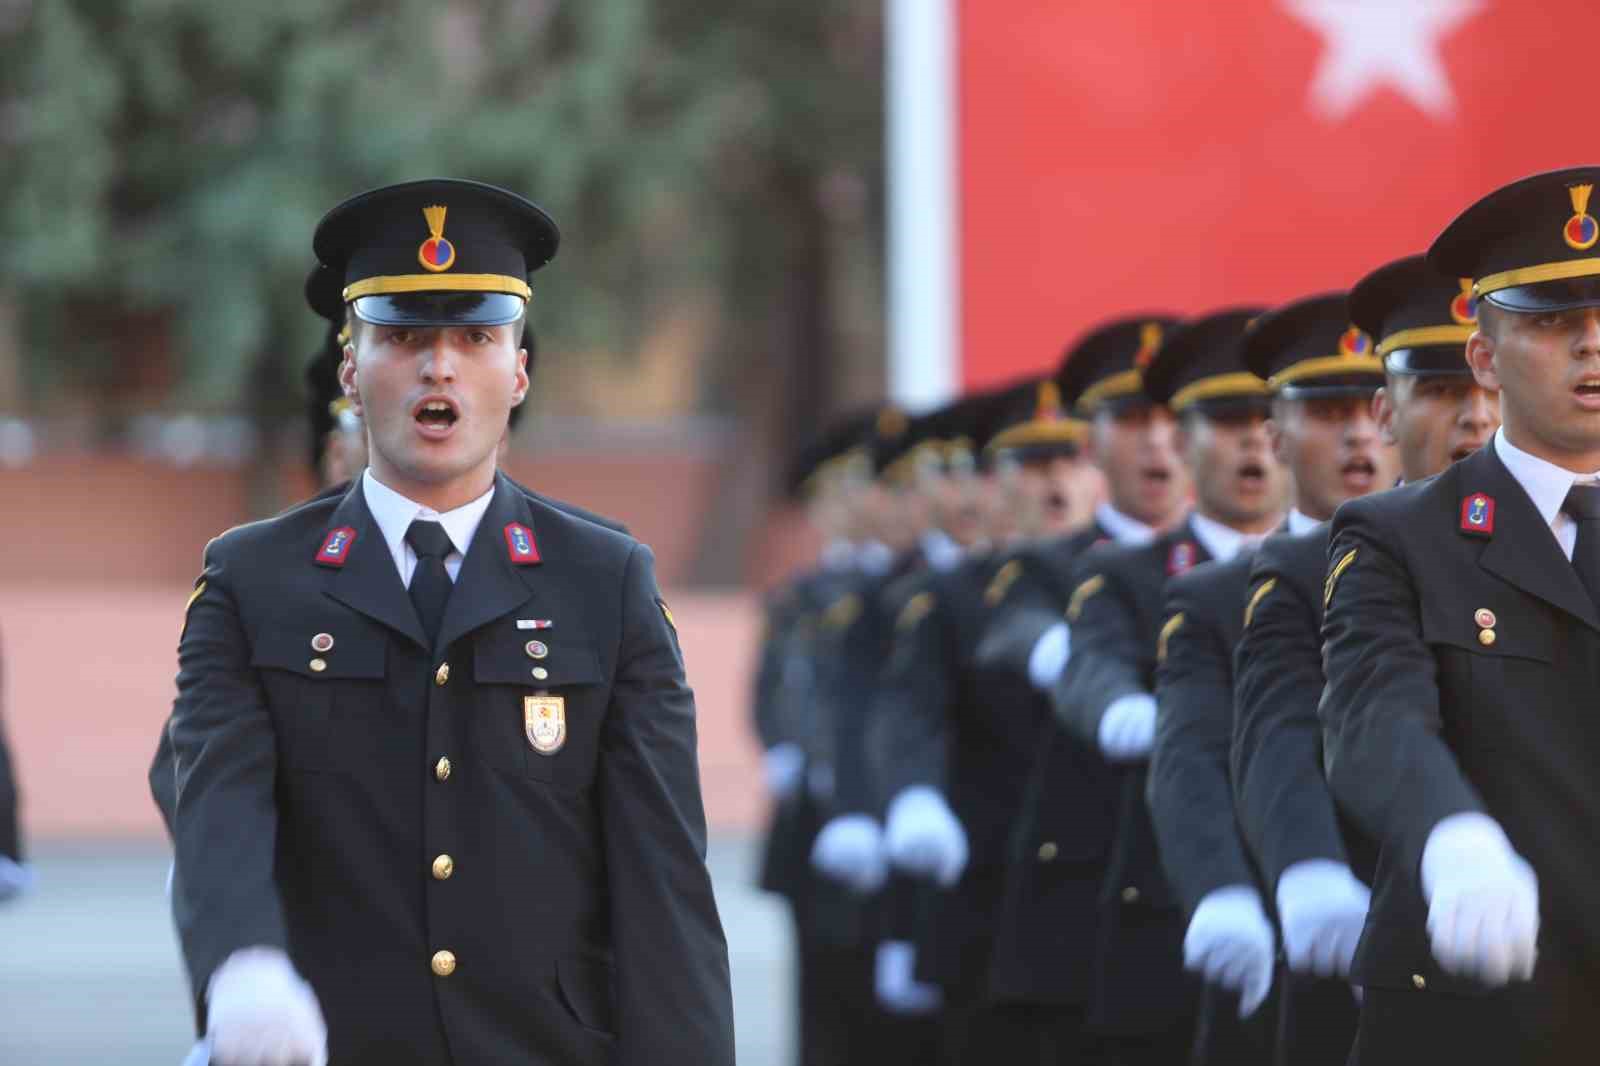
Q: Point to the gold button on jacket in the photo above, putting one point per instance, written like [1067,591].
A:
[443,867]
[441,769]
[444,963]
[1048,851]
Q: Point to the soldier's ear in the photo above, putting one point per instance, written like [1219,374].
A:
[1383,413]
[348,380]
[1481,358]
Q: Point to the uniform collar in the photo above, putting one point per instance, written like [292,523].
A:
[1220,542]
[394,514]
[1300,522]
[1545,483]
[1122,528]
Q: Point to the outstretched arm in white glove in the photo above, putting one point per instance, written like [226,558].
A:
[850,850]
[1049,657]
[1229,942]
[924,837]
[1483,901]
[1322,908]
[1128,728]
[262,1013]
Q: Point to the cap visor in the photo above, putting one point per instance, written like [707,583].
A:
[439,309]
[1563,295]
[1428,362]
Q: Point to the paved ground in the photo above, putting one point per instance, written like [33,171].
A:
[91,974]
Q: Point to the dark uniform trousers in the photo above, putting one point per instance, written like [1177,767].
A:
[484,853]
[1285,809]
[1189,790]
[1143,999]
[1425,716]
[1041,974]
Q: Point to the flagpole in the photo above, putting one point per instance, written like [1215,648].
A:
[923,286]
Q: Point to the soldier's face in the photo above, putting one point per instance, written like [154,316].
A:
[1135,448]
[1061,492]
[1546,369]
[1332,447]
[1237,479]
[435,399]
[1434,421]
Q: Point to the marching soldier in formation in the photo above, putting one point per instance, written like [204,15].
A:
[319,748]
[1317,870]
[1461,648]
[1319,375]
[15,875]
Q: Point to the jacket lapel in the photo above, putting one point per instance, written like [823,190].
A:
[489,585]
[1521,549]
[368,580]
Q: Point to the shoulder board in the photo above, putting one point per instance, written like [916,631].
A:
[1333,577]
[915,610]
[1081,594]
[842,612]
[1173,624]
[1256,597]
[1001,583]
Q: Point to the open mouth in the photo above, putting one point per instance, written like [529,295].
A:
[1252,474]
[1588,393]
[1464,450]
[436,416]
[1055,503]
[1156,475]
[1358,473]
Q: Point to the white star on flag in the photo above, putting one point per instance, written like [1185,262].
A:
[1369,44]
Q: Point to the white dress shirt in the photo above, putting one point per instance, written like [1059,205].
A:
[1300,522]
[1125,530]
[1222,542]
[394,515]
[1546,485]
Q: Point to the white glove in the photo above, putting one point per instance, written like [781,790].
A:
[1322,908]
[850,850]
[782,768]
[15,879]
[924,837]
[898,991]
[263,1014]
[1049,656]
[1483,901]
[1128,727]
[1229,941]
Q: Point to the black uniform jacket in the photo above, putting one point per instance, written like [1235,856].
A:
[953,718]
[1115,615]
[1056,852]
[10,834]
[1281,794]
[370,805]
[1462,659]
[1189,792]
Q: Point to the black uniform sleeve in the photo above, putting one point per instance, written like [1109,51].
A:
[1105,650]
[911,705]
[1387,764]
[674,1003]
[766,697]
[1190,797]
[10,834]
[1282,796]
[224,815]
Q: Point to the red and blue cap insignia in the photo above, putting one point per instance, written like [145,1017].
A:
[336,546]
[1477,515]
[1464,309]
[436,253]
[1354,342]
[520,544]
[1581,231]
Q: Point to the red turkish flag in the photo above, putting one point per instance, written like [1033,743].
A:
[1149,155]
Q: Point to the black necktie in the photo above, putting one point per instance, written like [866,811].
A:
[430,583]
[1583,504]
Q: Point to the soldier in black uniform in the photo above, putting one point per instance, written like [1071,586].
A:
[1318,871]
[15,876]
[1321,378]
[1043,959]
[1462,643]
[458,821]
[1106,693]
[957,733]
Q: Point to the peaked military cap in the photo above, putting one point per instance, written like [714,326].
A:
[328,406]
[1028,421]
[1201,366]
[1309,348]
[1529,246]
[1420,319]
[841,441]
[1101,371]
[921,447]
[437,252]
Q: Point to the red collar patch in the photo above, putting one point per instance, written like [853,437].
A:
[521,545]
[336,547]
[1477,515]
[1182,558]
